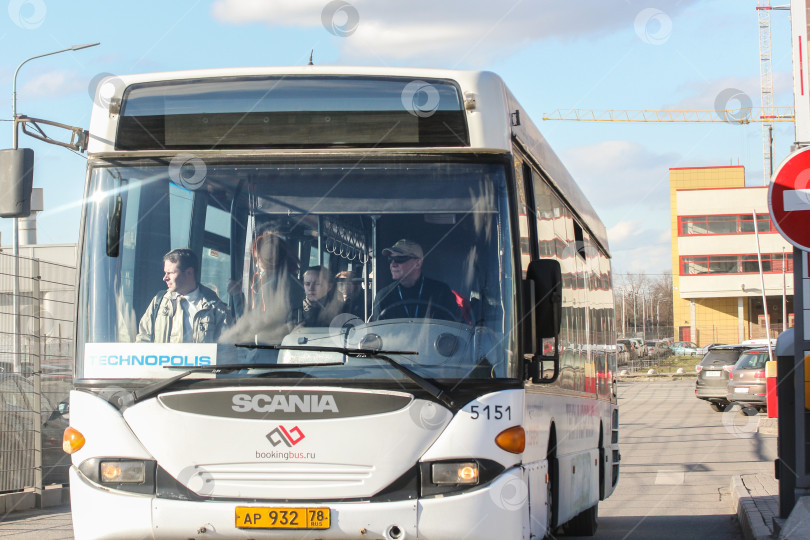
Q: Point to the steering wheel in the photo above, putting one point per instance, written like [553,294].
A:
[455,317]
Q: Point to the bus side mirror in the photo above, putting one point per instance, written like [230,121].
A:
[545,276]
[16,182]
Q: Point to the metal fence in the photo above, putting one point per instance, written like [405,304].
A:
[35,371]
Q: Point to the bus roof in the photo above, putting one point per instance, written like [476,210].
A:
[488,106]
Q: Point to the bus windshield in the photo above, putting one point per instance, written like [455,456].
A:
[298,259]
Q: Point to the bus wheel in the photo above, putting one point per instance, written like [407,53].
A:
[584,523]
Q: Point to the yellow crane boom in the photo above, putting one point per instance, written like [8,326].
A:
[744,115]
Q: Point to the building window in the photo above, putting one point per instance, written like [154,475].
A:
[727,224]
[772,263]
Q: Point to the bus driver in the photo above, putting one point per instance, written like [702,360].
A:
[413,295]
[186,312]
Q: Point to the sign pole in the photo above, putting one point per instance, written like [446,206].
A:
[764,296]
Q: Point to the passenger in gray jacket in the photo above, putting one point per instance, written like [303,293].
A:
[186,312]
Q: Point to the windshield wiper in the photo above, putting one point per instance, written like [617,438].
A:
[430,387]
[425,384]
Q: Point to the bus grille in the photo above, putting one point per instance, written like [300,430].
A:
[276,479]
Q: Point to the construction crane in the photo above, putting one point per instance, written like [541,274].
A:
[745,115]
[767,114]
[764,9]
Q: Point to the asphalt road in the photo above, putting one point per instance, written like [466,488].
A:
[678,457]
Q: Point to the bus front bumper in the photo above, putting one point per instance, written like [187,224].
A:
[479,514]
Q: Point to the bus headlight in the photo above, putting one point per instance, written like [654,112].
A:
[465,472]
[122,472]
[448,477]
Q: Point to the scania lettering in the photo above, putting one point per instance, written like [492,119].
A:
[265,403]
[480,404]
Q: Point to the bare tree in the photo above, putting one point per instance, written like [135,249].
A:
[643,304]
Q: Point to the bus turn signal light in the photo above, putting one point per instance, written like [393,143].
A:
[512,439]
[72,440]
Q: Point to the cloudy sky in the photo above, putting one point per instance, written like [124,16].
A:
[590,54]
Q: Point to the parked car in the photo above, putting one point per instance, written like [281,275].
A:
[640,349]
[622,354]
[684,348]
[746,384]
[704,350]
[713,375]
[16,422]
[657,348]
[760,342]
[630,346]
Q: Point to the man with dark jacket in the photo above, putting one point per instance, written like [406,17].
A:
[412,295]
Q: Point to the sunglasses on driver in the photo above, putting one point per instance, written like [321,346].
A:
[399,259]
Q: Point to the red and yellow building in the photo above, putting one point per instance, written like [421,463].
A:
[717,295]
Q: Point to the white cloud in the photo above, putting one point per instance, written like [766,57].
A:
[648,258]
[54,83]
[622,231]
[451,30]
[638,249]
[703,95]
[622,174]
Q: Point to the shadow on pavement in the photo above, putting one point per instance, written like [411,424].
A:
[711,527]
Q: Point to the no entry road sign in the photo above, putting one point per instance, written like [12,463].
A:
[789,199]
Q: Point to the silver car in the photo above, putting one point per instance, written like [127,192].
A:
[746,385]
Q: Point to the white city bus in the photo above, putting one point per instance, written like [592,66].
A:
[494,417]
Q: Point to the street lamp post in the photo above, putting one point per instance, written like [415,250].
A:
[658,318]
[635,317]
[643,320]
[16,225]
[624,320]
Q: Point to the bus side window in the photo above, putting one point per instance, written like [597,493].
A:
[215,260]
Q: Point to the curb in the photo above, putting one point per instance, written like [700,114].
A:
[751,522]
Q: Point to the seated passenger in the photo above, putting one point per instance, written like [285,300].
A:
[186,312]
[412,295]
[351,292]
[321,303]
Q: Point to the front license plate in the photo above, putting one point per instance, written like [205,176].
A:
[251,517]
[741,390]
[712,373]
